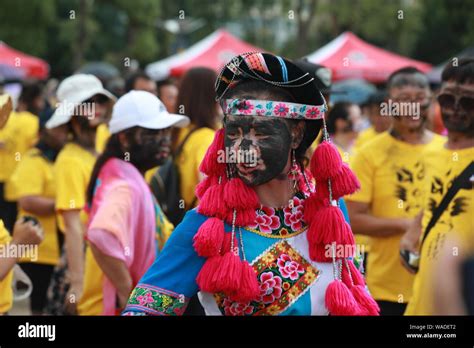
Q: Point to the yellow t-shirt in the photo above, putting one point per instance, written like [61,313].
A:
[72,171]
[364,137]
[6,292]
[101,137]
[16,138]
[442,166]
[190,158]
[34,177]
[391,174]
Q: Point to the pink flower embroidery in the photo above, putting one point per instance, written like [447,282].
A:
[236,308]
[245,107]
[270,287]
[281,109]
[260,112]
[145,299]
[313,113]
[294,215]
[267,221]
[289,268]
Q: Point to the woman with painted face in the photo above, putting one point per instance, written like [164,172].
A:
[125,225]
[268,237]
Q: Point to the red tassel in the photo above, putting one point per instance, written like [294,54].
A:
[202,187]
[243,217]
[367,304]
[226,242]
[339,300]
[322,190]
[209,238]
[311,207]
[239,196]
[356,275]
[211,165]
[249,287]
[344,183]
[228,276]
[212,203]
[205,278]
[328,227]
[326,161]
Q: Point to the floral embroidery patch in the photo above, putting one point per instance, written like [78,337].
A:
[283,274]
[154,300]
[245,107]
[277,223]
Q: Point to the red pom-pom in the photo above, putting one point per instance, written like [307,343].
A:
[327,227]
[212,203]
[209,238]
[226,245]
[344,183]
[322,190]
[339,300]
[243,217]
[326,161]
[249,287]
[367,304]
[211,165]
[206,276]
[356,275]
[202,187]
[239,196]
[228,276]
[311,207]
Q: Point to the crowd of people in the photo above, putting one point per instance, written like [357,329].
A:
[132,211]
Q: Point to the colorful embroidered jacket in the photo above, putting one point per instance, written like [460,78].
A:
[277,248]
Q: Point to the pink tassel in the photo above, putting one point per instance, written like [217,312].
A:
[367,304]
[344,183]
[228,276]
[212,203]
[209,238]
[205,277]
[210,164]
[326,161]
[339,300]
[249,287]
[239,196]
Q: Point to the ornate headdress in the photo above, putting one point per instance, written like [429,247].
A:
[226,198]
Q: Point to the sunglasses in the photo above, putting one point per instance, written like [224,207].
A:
[98,98]
[451,102]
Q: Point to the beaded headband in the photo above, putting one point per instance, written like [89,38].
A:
[251,107]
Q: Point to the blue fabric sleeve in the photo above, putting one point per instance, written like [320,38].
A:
[342,206]
[170,282]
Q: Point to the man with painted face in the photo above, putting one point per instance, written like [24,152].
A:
[263,240]
[448,204]
[126,225]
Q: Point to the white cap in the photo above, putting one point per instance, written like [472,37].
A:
[74,90]
[143,109]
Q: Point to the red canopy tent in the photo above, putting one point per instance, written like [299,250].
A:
[28,66]
[212,52]
[350,57]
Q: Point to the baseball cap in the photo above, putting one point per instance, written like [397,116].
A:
[143,109]
[74,90]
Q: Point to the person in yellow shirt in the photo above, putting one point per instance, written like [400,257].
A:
[83,102]
[378,123]
[36,197]
[24,233]
[391,174]
[18,135]
[445,164]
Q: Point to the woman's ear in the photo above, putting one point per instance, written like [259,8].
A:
[297,134]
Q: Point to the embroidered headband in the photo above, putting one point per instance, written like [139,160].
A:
[251,107]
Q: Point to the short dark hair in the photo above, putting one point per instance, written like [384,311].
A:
[29,92]
[163,83]
[340,111]
[462,73]
[407,76]
[132,78]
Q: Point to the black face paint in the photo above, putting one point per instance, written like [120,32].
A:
[149,148]
[268,139]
